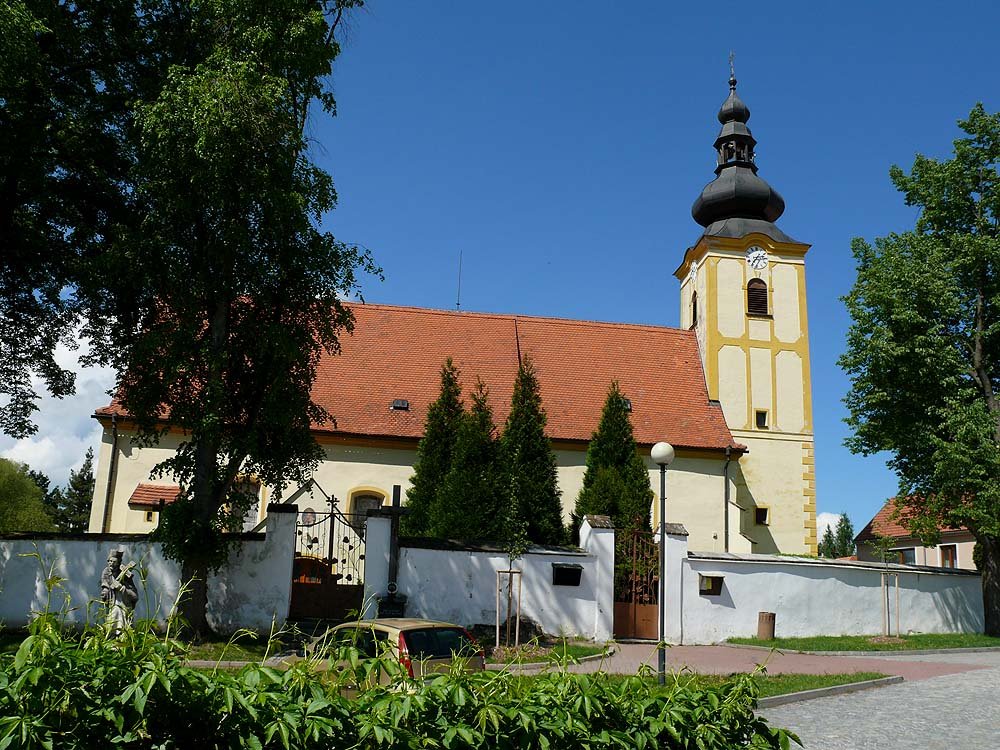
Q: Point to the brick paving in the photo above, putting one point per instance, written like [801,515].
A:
[959,710]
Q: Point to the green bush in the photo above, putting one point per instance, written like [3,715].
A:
[89,691]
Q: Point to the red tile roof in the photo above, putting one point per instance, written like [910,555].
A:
[149,495]
[397,353]
[890,522]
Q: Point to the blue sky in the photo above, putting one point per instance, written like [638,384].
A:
[560,145]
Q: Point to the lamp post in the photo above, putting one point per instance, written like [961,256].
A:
[662,454]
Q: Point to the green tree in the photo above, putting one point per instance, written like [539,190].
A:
[528,466]
[434,454]
[217,303]
[923,351]
[838,539]
[21,507]
[616,482]
[469,502]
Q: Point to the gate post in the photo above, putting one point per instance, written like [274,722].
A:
[597,537]
[673,599]
[378,542]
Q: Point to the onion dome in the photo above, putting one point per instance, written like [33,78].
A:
[736,192]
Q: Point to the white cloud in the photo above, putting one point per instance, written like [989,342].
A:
[65,426]
[824,520]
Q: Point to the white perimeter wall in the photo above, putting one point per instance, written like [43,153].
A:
[251,590]
[459,586]
[813,598]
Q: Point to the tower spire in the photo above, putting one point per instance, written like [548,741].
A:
[736,192]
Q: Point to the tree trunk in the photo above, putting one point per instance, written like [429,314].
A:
[194,603]
[991,583]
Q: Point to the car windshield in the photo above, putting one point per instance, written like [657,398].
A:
[438,643]
[363,639]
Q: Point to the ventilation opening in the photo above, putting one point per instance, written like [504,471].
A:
[761,419]
[760,516]
[628,404]
[756,297]
[709,585]
[400,404]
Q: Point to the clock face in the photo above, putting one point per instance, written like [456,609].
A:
[757,258]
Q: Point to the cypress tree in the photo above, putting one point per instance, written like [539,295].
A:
[469,502]
[616,482]
[529,466]
[434,453]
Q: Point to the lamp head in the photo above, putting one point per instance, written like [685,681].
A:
[662,454]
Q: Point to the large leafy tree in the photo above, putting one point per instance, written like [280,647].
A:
[434,454]
[923,352]
[21,507]
[67,71]
[616,481]
[469,502]
[528,466]
[217,303]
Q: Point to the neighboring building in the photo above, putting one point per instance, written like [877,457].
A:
[954,550]
[730,388]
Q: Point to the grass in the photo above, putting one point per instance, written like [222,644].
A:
[782,684]
[870,643]
[529,653]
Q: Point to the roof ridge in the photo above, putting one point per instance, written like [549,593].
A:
[528,318]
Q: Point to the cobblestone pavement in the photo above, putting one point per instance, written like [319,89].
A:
[960,710]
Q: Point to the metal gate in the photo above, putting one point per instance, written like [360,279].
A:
[328,571]
[637,585]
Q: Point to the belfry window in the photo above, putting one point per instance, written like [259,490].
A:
[756,297]
[694,309]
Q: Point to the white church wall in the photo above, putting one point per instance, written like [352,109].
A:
[253,589]
[696,498]
[459,585]
[350,469]
[812,597]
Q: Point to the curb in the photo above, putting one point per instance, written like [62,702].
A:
[499,667]
[869,654]
[808,695]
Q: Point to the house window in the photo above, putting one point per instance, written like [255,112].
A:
[756,297]
[760,516]
[761,419]
[906,556]
[949,556]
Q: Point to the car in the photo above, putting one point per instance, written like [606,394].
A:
[423,647]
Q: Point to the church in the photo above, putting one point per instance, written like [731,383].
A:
[729,388]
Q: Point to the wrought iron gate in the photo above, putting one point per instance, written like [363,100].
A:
[329,566]
[637,585]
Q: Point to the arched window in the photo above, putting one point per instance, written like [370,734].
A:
[756,297]
[363,502]
[694,309]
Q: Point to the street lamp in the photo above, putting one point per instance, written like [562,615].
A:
[662,454]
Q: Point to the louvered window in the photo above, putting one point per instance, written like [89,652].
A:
[756,297]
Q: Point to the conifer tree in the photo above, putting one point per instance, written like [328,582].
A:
[827,545]
[529,465]
[469,503]
[844,536]
[616,482]
[434,454]
[73,515]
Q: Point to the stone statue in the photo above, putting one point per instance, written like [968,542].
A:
[118,592]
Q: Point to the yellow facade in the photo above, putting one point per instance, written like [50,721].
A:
[757,367]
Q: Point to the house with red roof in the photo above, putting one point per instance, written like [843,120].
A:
[729,387]
[953,551]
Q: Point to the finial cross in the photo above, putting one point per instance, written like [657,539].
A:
[732,67]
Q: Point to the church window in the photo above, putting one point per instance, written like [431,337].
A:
[694,309]
[364,502]
[760,516]
[756,297]
[761,419]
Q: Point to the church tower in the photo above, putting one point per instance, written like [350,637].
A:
[743,291]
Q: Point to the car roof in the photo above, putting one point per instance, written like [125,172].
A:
[396,623]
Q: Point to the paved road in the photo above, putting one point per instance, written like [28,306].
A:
[960,710]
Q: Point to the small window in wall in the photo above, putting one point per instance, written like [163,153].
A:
[362,503]
[949,556]
[150,516]
[760,516]
[906,556]
[760,419]
[756,297]
[694,309]
[709,585]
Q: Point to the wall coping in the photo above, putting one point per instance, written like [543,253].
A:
[58,536]
[755,559]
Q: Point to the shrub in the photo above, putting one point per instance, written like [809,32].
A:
[87,691]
